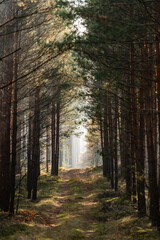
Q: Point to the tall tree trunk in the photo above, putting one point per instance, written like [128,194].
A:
[57,137]
[153,188]
[158,89]
[61,155]
[141,160]
[14,125]
[134,122]
[102,144]
[36,143]
[14,140]
[5,120]
[110,121]
[53,167]
[121,128]
[127,158]
[29,155]
[18,160]
[106,159]
[47,146]
[116,143]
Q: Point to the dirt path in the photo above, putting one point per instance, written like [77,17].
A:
[77,206]
[74,205]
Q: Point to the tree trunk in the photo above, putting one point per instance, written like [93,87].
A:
[110,121]
[5,120]
[57,137]
[106,159]
[134,122]
[36,143]
[29,155]
[47,146]
[141,160]
[14,125]
[153,188]
[116,143]
[158,91]
[127,160]
[53,167]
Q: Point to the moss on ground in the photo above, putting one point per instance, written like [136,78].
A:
[77,206]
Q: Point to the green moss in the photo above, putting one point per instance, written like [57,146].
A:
[81,208]
[63,216]
[7,230]
[97,169]
[77,235]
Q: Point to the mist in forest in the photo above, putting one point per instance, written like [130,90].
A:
[73,149]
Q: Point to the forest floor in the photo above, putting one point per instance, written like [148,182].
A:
[78,205]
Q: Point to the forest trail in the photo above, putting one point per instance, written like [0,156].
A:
[78,205]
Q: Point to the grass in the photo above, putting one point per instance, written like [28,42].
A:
[13,228]
[77,206]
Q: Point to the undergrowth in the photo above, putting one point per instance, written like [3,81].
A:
[80,208]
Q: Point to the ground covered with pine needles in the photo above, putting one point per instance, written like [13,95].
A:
[78,205]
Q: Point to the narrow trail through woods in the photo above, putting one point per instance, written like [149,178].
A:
[78,205]
[76,201]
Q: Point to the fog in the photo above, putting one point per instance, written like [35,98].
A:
[72,150]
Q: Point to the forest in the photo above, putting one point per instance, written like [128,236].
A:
[79,119]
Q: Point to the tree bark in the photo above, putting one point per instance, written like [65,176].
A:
[57,138]
[36,143]
[110,121]
[53,167]
[5,120]
[29,155]
[116,143]
[153,188]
